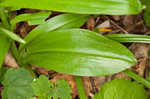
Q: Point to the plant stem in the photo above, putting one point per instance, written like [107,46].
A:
[137,78]
[14,50]
[5,21]
[80,88]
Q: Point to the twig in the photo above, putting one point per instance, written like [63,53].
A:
[114,23]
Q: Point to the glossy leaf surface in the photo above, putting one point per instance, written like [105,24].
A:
[58,22]
[129,38]
[11,35]
[78,52]
[31,18]
[80,6]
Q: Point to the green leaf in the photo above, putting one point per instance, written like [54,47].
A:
[41,87]
[4,46]
[78,52]
[62,21]
[11,35]
[3,70]
[17,84]
[129,38]
[44,89]
[61,89]
[80,87]
[121,89]
[138,78]
[147,16]
[145,2]
[32,18]
[148,77]
[111,7]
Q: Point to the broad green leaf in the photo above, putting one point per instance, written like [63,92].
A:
[121,89]
[11,35]
[129,38]
[78,52]
[44,89]
[31,18]
[4,46]
[111,7]
[17,84]
[62,21]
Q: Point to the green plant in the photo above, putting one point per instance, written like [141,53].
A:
[17,84]
[121,89]
[22,84]
[58,44]
[147,12]
[44,89]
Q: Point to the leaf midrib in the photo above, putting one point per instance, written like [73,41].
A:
[76,52]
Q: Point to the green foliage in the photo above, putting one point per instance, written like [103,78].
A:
[62,21]
[80,88]
[78,52]
[44,89]
[129,38]
[147,16]
[148,77]
[61,89]
[4,46]
[4,40]
[111,7]
[147,12]
[11,35]
[53,45]
[3,70]
[138,78]
[31,18]
[121,89]
[41,87]
[17,84]
[145,2]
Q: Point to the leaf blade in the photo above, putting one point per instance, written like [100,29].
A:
[17,84]
[121,89]
[127,38]
[81,7]
[12,35]
[79,52]
[4,46]
[32,18]
[59,22]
